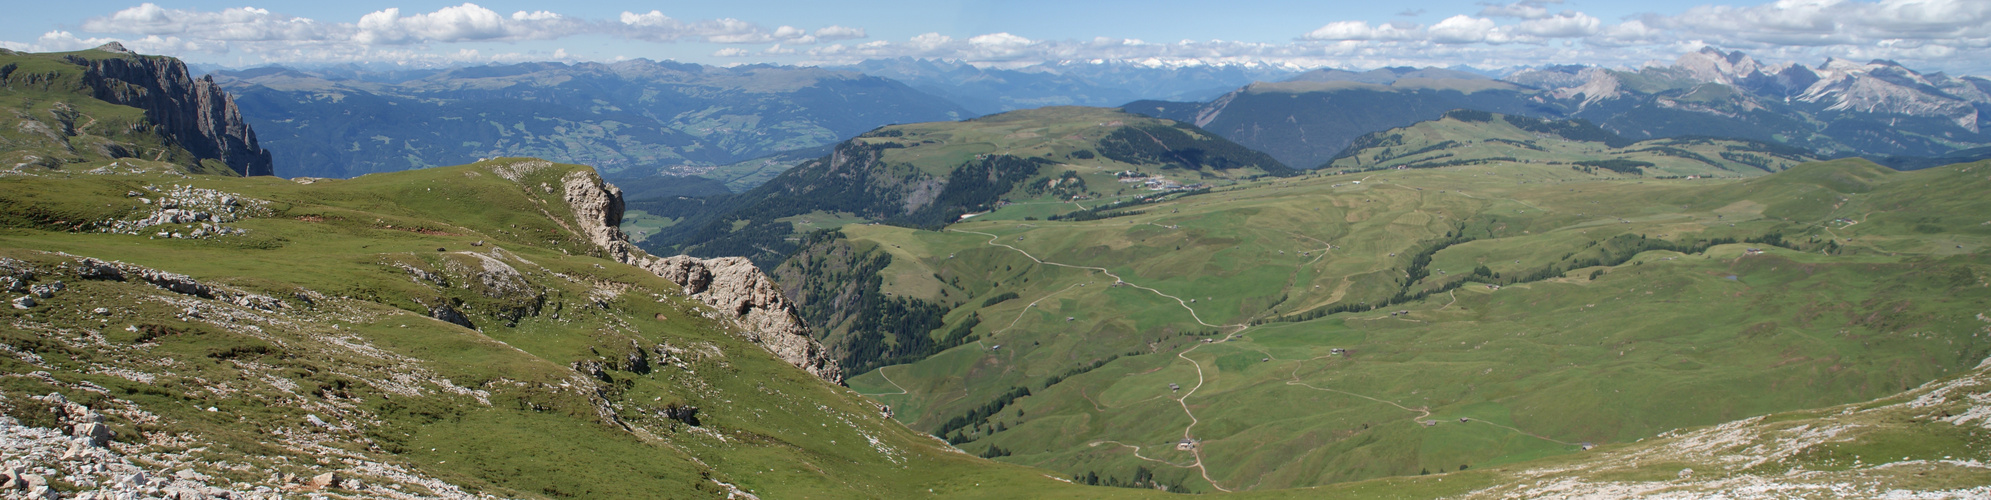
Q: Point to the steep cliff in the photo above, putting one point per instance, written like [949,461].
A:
[194,112]
[730,284]
[110,104]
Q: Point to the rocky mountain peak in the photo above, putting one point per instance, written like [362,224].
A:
[113,47]
[1712,65]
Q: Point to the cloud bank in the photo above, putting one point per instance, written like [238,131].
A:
[1953,35]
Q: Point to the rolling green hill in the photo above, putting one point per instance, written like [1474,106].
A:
[1046,162]
[1465,137]
[1304,123]
[1334,329]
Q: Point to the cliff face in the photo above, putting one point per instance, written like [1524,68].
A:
[730,284]
[193,113]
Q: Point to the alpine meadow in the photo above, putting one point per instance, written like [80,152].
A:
[780,249]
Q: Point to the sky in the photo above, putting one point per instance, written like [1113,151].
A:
[1929,35]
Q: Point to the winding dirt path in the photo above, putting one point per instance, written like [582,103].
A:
[1116,278]
[888,380]
[994,240]
[1030,307]
[1137,454]
[1424,412]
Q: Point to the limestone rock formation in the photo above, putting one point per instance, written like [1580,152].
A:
[192,112]
[735,286]
[730,284]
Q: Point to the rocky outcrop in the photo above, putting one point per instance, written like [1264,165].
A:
[734,286]
[598,207]
[194,113]
[730,284]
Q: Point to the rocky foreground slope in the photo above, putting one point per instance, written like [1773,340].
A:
[458,332]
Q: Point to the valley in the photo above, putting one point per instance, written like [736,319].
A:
[1200,319]
[1396,283]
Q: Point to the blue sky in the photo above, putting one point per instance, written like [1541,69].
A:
[1948,35]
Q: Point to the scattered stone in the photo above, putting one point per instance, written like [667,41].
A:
[316,421]
[24,302]
[322,481]
[97,433]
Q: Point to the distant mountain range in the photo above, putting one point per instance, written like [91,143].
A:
[1836,109]
[629,119]
[1105,83]
[637,120]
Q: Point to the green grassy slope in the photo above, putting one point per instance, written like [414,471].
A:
[319,302]
[1471,137]
[1304,123]
[1625,307]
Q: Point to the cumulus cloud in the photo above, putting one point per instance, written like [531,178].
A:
[655,26]
[1525,9]
[1462,29]
[237,24]
[1953,35]
[279,37]
[1358,30]
[1566,25]
[835,32]
[461,23]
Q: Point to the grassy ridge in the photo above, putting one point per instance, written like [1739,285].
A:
[1465,137]
[1022,164]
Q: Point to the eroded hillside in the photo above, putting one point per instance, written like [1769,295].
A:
[467,331]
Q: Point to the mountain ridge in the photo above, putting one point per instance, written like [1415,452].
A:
[631,118]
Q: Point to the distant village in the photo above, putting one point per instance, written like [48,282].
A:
[1155,182]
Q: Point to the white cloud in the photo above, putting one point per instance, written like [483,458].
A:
[1461,29]
[1525,9]
[461,23]
[1358,30]
[1566,25]
[1953,35]
[835,32]
[237,24]
[277,37]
